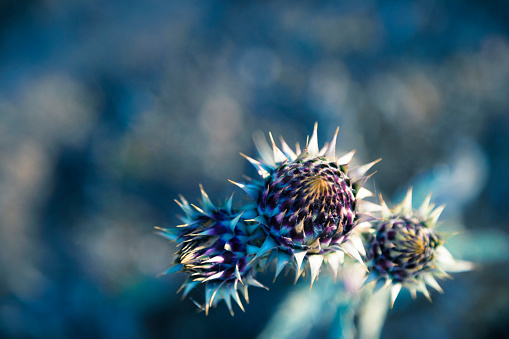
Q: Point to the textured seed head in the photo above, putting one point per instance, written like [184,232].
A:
[309,204]
[214,250]
[406,251]
[402,248]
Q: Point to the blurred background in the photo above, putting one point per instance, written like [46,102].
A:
[110,109]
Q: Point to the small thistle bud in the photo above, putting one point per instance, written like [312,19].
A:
[213,247]
[406,251]
[308,203]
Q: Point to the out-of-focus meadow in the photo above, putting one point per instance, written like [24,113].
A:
[110,109]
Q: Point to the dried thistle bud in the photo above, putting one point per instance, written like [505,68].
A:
[214,250]
[406,251]
[309,204]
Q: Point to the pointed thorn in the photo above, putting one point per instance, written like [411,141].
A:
[279,157]
[424,208]
[198,209]
[268,245]
[237,274]
[357,173]
[313,143]
[345,159]
[331,152]
[334,259]
[394,293]
[264,149]
[363,193]
[315,262]
[282,260]
[407,202]
[287,150]
[299,258]
[207,204]
[229,204]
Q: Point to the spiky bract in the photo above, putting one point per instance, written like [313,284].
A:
[214,249]
[406,251]
[308,203]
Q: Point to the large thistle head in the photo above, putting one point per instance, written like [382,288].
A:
[214,249]
[308,203]
[406,251]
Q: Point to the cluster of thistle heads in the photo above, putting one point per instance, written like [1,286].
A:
[307,214]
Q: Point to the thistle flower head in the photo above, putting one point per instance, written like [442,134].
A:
[406,251]
[308,203]
[213,249]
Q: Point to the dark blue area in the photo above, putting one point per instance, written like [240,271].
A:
[128,104]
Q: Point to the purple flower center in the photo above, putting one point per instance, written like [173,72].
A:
[309,204]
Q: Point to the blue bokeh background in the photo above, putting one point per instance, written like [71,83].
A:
[110,109]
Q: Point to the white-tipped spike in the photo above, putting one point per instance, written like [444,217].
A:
[424,208]
[323,150]
[364,193]
[358,172]
[257,165]
[249,189]
[218,290]
[214,276]
[357,243]
[282,261]
[184,205]
[287,150]
[245,293]
[335,259]
[386,212]
[207,204]
[279,156]
[264,149]
[448,263]
[253,282]
[237,274]
[313,143]
[315,262]
[345,159]
[235,296]
[461,266]
[430,280]
[433,217]
[198,209]
[208,298]
[425,291]
[299,258]
[407,203]
[350,249]
[331,152]
[394,293]
[227,299]
[363,226]
[368,206]
[297,149]
[216,259]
